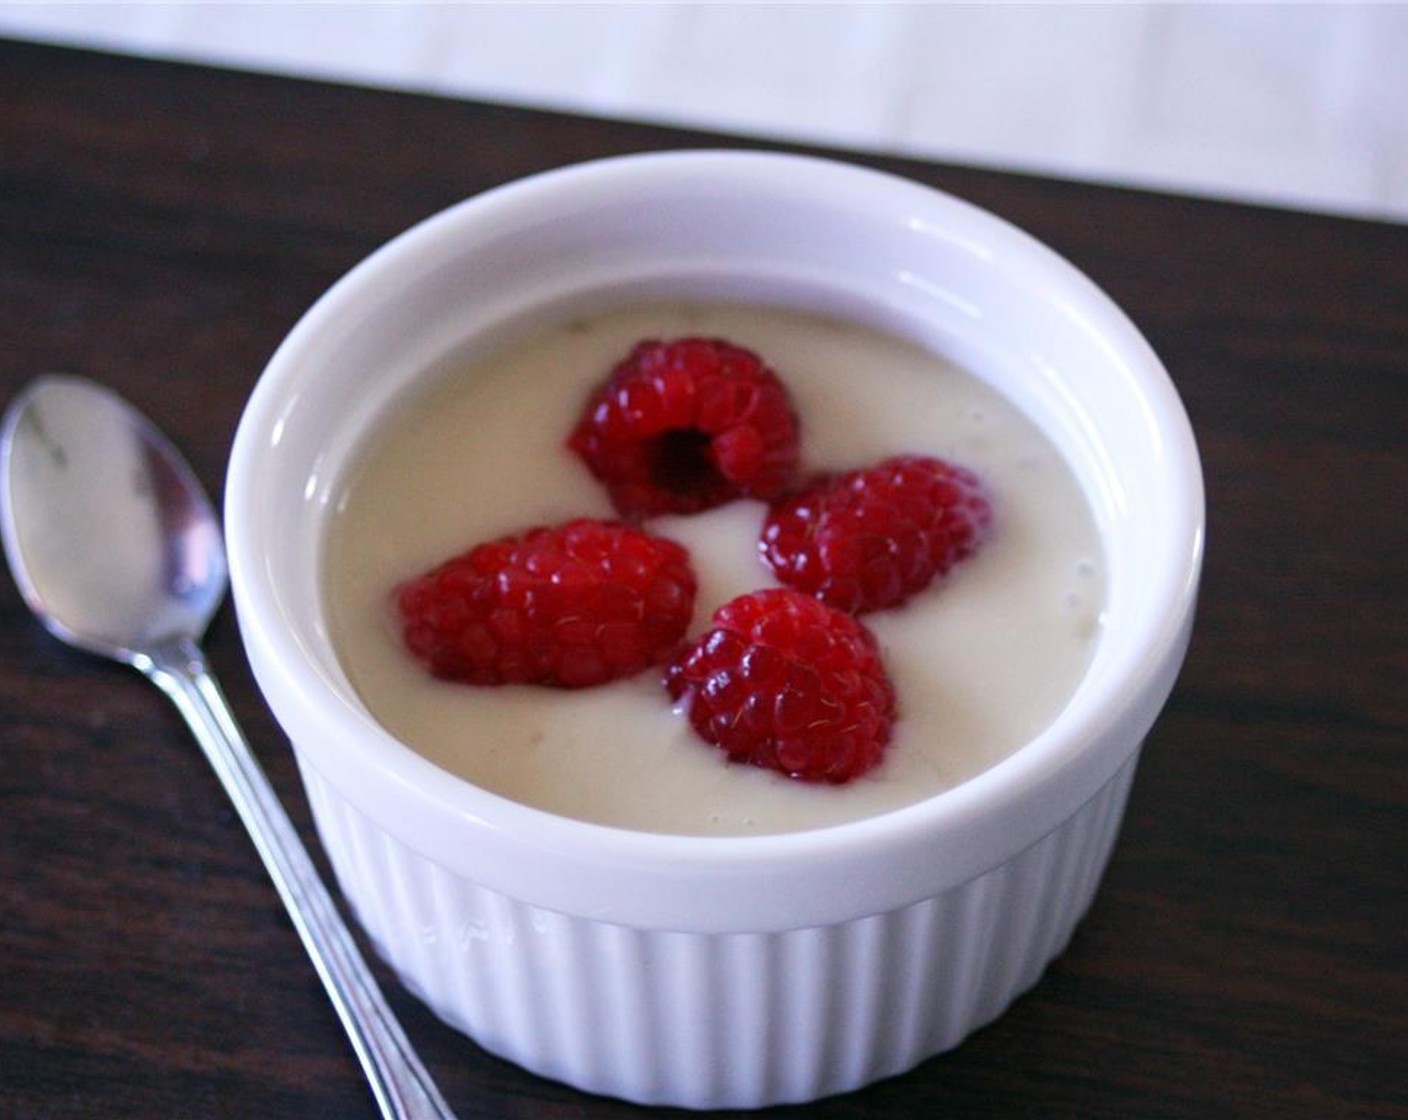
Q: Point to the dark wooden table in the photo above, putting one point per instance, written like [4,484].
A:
[162,226]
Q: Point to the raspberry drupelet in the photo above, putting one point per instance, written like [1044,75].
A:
[572,606]
[687,425]
[784,682]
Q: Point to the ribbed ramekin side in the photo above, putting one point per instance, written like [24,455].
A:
[736,1020]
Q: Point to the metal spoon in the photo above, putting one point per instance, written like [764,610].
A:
[116,548]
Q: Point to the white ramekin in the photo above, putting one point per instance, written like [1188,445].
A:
[695,971]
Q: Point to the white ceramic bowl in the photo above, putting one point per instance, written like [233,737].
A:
[697,971]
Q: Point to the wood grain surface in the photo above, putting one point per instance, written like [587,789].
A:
[162,227]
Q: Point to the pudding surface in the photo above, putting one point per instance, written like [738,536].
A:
[981,662]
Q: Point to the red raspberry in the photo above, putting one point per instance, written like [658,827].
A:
[573,605]
[687,425]
[785,682]
[869,539]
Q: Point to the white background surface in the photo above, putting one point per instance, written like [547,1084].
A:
[1297,105]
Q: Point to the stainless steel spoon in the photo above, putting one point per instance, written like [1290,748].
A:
[116,548]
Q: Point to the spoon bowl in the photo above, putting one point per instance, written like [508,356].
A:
[111,539]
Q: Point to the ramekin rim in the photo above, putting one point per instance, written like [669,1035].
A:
[1031,765]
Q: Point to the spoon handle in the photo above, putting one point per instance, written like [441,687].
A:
[402,1086]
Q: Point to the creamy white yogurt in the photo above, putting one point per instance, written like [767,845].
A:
[981,662]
